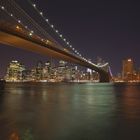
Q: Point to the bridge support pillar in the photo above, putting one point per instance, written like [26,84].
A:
[104,77]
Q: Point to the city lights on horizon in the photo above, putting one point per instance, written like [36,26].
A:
[128,74]
[48,72]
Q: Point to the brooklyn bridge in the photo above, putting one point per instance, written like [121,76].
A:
[20,29]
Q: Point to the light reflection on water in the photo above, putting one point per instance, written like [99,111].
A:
[70,112]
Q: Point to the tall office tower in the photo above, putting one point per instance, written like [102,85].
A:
[62,63]
[27,75]
[127,69]
[39,70]
[61,70]
[15,71]
[47,70]
[48,66]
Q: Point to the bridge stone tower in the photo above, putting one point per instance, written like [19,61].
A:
[104,77]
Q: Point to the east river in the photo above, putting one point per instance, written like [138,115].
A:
[68,111]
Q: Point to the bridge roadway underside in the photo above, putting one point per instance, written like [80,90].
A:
[14,40]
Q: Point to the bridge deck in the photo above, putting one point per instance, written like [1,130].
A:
[10,36]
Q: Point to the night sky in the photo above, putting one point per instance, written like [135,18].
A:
[108,29]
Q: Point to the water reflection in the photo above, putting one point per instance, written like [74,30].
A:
[69,111]
[14,136]
[27,135]
[128,98]
[24,135]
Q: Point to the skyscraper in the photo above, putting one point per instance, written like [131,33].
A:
[127,69]
[15,71]
[47,71]
[39,70]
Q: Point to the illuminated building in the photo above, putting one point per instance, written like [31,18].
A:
[33,74]
[48,66]
[39,71]
[48,73]
[15,71]
[62,63]
[61,70]
[127,69]
[27,76]
[89,74]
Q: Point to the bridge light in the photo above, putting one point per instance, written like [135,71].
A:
[61,36]
[19,21]
[47,20]
[56,31]
[64,39]
[30,34]
[26,27]
[11,15]
[34,5]
[47,41]
[129,60]
[70,46]
[17,27]
[2,7]
[67,43]
[41,13]
[52,26]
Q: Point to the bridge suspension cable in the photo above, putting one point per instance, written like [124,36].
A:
[13,10]
[21,14]
[67,43]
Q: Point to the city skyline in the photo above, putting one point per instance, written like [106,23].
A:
[49,71]
[60,71]
[114,40]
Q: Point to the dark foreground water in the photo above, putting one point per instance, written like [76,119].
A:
[70,112]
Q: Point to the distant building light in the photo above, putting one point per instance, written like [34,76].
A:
[17,27]
[2,7]
[47,41]
[129,60]
[14,61]
[30,34]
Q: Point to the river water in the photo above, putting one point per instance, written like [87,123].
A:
[64,111]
